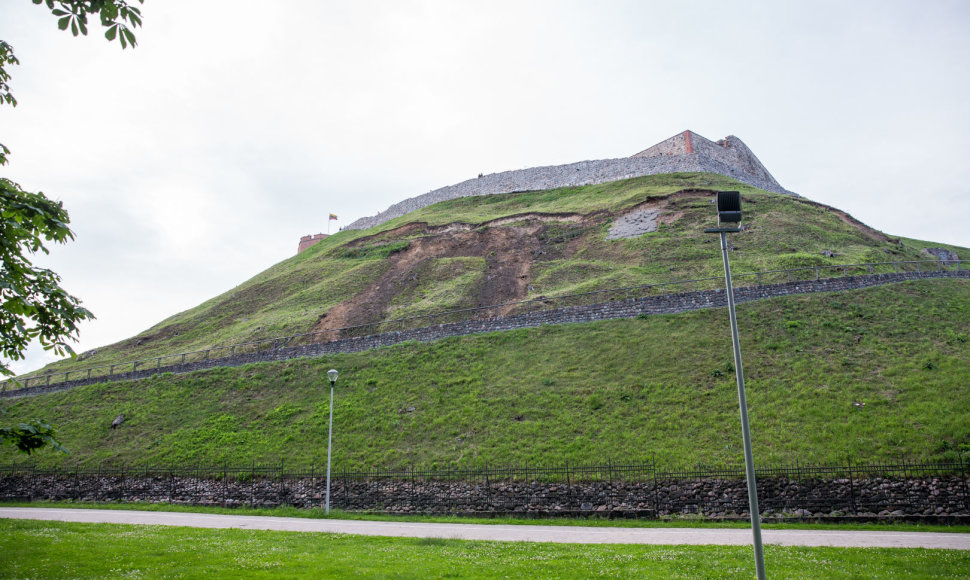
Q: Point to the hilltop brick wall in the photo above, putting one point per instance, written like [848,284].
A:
[729,151]
[679,144]
[629,308]
[739,155]
[732,159]
[570,175]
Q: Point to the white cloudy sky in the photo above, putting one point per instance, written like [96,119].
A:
[199,159]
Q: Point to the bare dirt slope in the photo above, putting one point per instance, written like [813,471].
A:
[509,248]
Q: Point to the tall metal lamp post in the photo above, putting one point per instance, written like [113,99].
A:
[728,218]
[332,375]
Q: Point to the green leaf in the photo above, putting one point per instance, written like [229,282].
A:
[62,23]
[130,35]
[74,27]
[111,32]
[56,11]
[109,13]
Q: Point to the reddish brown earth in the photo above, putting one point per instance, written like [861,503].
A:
[509,247]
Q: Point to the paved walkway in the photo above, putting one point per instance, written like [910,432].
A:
[505,533]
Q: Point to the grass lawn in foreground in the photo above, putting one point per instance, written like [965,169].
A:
[71,550]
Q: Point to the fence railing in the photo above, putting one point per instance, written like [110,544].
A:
[490,311]
[639,488]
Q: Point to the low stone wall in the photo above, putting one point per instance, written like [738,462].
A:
[941,497]
[627,308]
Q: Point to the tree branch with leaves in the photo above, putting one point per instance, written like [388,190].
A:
[117,17]
[33,306]
[29,437]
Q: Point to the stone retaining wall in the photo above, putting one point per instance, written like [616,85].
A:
[628,308]
[940,496]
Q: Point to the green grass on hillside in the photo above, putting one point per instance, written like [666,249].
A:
[70,550]
[439,284]
[613,197]
[290,297]
[869,375]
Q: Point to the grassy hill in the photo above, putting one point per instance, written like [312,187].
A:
[499,248]
[876,374]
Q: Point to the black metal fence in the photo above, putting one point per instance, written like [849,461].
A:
[491,311]
[630,489]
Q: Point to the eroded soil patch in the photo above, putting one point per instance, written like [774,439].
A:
[508,252]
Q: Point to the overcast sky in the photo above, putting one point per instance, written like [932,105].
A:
[199,159]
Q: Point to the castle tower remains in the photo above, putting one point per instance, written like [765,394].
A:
[307,241]
[729,151]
